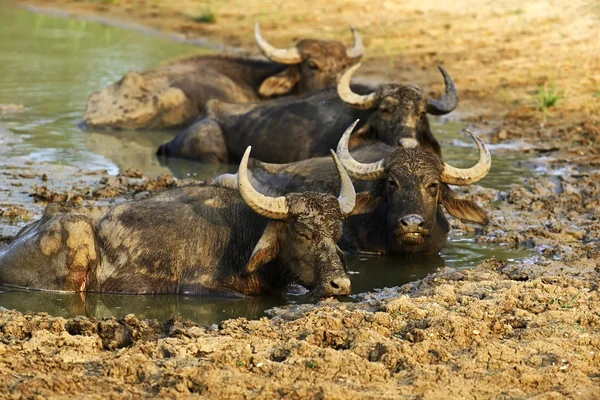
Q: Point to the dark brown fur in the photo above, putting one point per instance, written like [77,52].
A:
[409,189]
[201,240]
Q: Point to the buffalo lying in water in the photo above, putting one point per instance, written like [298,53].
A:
[401,190]
[294,129]
[174,95]
[202,240]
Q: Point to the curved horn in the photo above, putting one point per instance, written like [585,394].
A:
[466,176]
[283,56]
[226,180]
[448,101]
[357,49]
[347,198]
[362,102]
[357,170]
[270,207]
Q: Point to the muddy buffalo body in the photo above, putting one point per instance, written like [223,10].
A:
[174,95]
[401,190]
[201,240]
[294,129]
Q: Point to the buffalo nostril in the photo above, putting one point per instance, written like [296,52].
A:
[340,286]
[413,221]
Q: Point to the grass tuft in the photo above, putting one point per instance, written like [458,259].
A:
[208,16]
[547,98]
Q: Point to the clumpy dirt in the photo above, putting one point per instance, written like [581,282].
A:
[26,188]
[519,329]
[498,331]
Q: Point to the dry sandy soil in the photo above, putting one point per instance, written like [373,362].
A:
[524,329]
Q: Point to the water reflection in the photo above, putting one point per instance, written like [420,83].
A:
[366,273]
[135,149]
[51,65]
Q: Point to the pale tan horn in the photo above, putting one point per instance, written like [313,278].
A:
[226,180]
[347,198]
[465,176]
[283,56]
[357,49]
[357,170]
[270,207]
[362,102]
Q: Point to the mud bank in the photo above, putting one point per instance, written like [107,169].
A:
[499,331]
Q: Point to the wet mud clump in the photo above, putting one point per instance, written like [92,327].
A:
[500,330]
[129,183]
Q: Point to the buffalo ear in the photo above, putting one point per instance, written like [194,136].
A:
[281,83]
[463,209]
[266,249]
[365,203]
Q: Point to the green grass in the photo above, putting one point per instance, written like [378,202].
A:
[547,98]
[208,16]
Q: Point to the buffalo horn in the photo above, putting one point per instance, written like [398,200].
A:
[362,102]
[347,198]
[357,49]
[448,101]
[270,207]
[226,180]
[466,176]
[357,170]
[283,56]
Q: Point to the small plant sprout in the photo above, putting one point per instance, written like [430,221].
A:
[547,98]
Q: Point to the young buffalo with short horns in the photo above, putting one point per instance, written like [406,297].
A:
[201,240]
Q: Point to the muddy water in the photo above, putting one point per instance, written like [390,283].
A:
[52,64]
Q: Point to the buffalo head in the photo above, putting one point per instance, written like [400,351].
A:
[399,112]
[303,233]
[314,64]
[412,183]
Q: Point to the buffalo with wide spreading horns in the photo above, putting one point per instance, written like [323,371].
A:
[294,129]
[198,239]
[400,193]
[175,94]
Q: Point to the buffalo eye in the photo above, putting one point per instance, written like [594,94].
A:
[385,109]
[392,183]
[433,188]
[313,65]
[306,234]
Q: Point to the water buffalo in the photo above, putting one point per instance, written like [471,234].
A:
[400,188]
[198,239]
[293,129]
[175,94]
